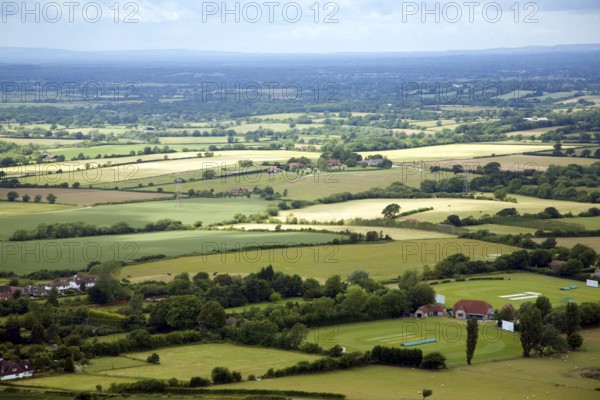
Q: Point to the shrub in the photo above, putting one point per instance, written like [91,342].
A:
[434,360]
[574,340]
[153,359]
[221,375]
[198,381]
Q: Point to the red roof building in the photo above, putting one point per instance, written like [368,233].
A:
[479,309]
[431,310]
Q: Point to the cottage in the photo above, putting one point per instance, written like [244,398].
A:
[15,370]
[556,263]
[430,310]
[373,162]
[333,162]
[77,281]
[479,309]
[294,166]
[61,284]
[239,192]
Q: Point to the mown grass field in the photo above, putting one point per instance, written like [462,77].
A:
[371,208]
[494,344]
[76,253]
[18,208]
[381,260]
[394,233]
[553,378]
[590,223]
[515,284]
[137,215]
[84,197]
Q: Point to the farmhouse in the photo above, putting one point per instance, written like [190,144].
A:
[239,192]
[479,309]
[15,370]
[430,310]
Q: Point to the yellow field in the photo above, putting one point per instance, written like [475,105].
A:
[534,132]
[40,141]
[394,233]
[568,242]
[457,151]
[372,208]
[85,197]
[18,207]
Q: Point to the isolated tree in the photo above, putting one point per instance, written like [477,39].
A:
[51,198]
[472,335]
[37,198]
[530,327]
[26,198]
[208,174]
[500,194]
[454,220]
[12,195]
[573,317]
[391,211]
[426,393]
[153,359]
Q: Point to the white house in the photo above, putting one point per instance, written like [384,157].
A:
[15,370]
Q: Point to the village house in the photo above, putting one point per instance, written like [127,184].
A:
[556,263]
[373,162]
[431,310]
[61,284]
[239,192]
[32,291]
[479,309]
[295,166]
[334,163]
[88,281]
[15,370]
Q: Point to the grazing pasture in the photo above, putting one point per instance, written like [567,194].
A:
[384,260]
[76,253]
[85,197]
[207,210]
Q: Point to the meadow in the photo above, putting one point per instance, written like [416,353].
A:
[320,262]
[76,253]
[85,197]
[494,344]
[137,215]
[515,284]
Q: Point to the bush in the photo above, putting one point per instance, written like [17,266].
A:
[198,381]
[153,359]
[574,340]
[221,375]
[434,360]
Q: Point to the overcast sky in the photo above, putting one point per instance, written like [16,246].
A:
[277,26]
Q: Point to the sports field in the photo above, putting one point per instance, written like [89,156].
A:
[513,289]
[450,334]
[555,378]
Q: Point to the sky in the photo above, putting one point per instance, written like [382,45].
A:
[301,26]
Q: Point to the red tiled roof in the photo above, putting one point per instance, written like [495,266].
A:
[472,307]
[427,308]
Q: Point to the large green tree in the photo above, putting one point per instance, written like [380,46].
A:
[530,328]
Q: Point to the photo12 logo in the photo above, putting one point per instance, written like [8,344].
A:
[472,11]
[269,12]
[252,92]
[52,12]
[67,92]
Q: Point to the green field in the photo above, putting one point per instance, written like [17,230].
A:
[450,334]
[502,229]
[593,242]
[514,284]
[321,262]
[8,209]
[137,215]
[76,253]
[555,378]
